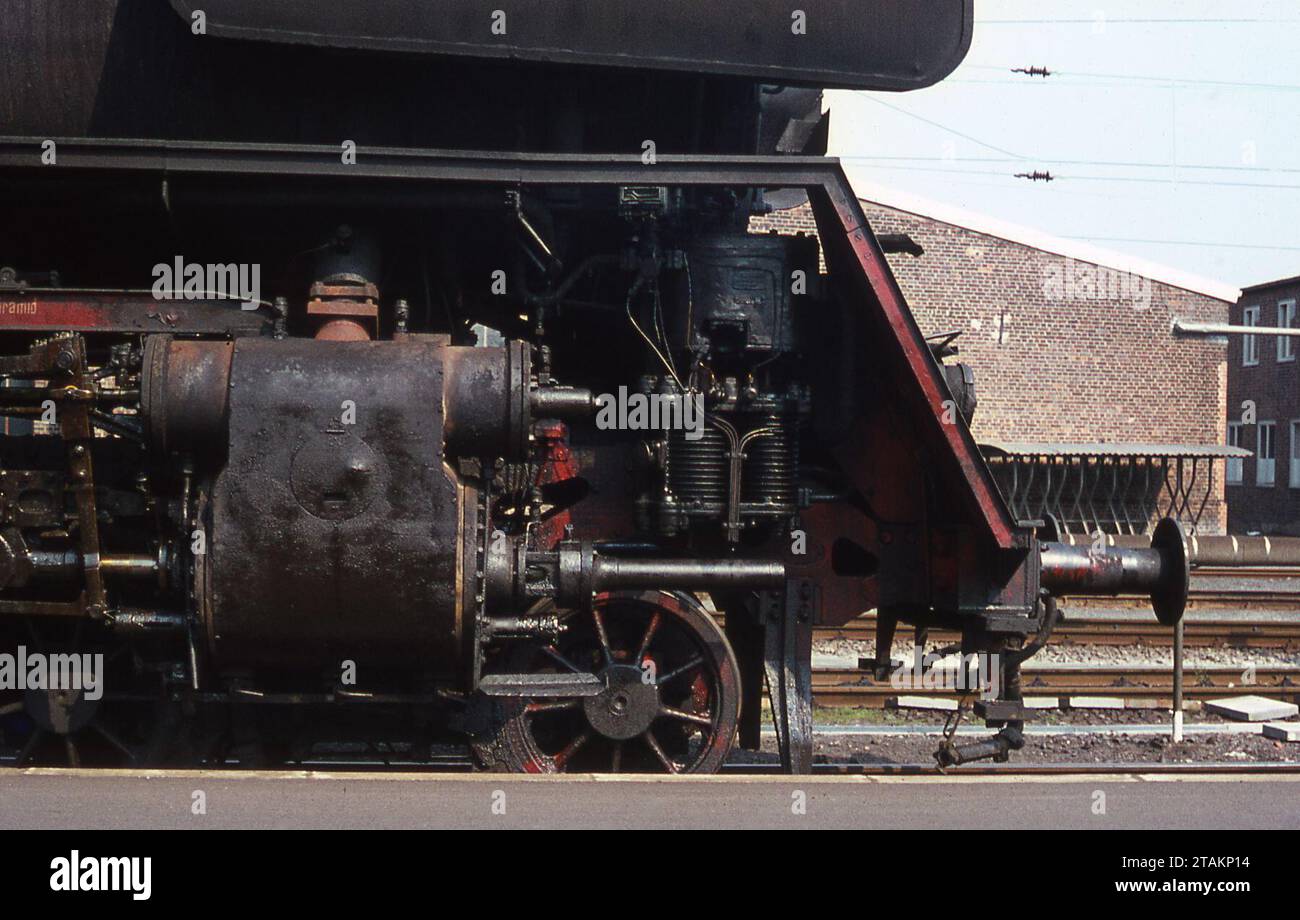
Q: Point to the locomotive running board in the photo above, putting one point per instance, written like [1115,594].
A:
[850,244]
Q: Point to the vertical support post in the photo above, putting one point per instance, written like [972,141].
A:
[73,412]
[1178,681]
[746,635]
[788,621]
[886,629]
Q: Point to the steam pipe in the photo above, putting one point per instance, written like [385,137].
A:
[1243,551]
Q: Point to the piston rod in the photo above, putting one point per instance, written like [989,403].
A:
[613,572]
[575,571]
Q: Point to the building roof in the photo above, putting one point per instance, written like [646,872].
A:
[1281,282]
[874,193]
[1116,449]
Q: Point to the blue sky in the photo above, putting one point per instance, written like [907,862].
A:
[1173,129]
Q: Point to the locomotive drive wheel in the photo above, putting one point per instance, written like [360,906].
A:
[670,703]
[123,725]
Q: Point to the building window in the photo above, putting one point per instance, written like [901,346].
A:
[1235,466]
[1250,343]
[1266,454]
[1285,320]
[1295,454]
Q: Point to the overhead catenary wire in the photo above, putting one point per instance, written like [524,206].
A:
[1050,77]
[1134,21]
[1133,164]
[1022,158]
[1082,178]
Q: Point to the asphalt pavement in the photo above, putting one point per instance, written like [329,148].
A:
[76,799]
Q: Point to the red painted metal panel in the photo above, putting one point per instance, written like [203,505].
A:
[851,247]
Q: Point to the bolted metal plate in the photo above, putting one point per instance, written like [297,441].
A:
[336,476]
[334,522]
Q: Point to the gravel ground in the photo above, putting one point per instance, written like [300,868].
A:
[1095,717]
[913,749]
[1068,749]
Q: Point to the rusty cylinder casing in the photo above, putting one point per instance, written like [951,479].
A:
[334,518]
[184,396]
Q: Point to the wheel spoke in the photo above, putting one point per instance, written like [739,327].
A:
[678,672]
[684,721]
[659,752]
[603,636]
[559,659]
[650,630]
[671,713]
[113,740]
[562,758]
[29,746]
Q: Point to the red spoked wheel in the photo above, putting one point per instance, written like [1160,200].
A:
[670,703]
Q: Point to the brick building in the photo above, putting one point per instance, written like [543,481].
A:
[1071,346]
[1264,413]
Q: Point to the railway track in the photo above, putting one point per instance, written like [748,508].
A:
[1121,631]
[1151,685]
[465,765]
[1272,589]
[1032,769]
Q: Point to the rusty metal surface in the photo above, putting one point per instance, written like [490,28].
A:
[336,541]
[184,397]
[1163,571]
[49,310]
[852,251]
[487,404]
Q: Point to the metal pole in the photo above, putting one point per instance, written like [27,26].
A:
[1178,681]
[1185,328]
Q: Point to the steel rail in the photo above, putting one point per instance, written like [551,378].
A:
[852,687]
[1280,634]
[455,764]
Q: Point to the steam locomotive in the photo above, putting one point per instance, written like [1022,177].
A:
[381,374]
